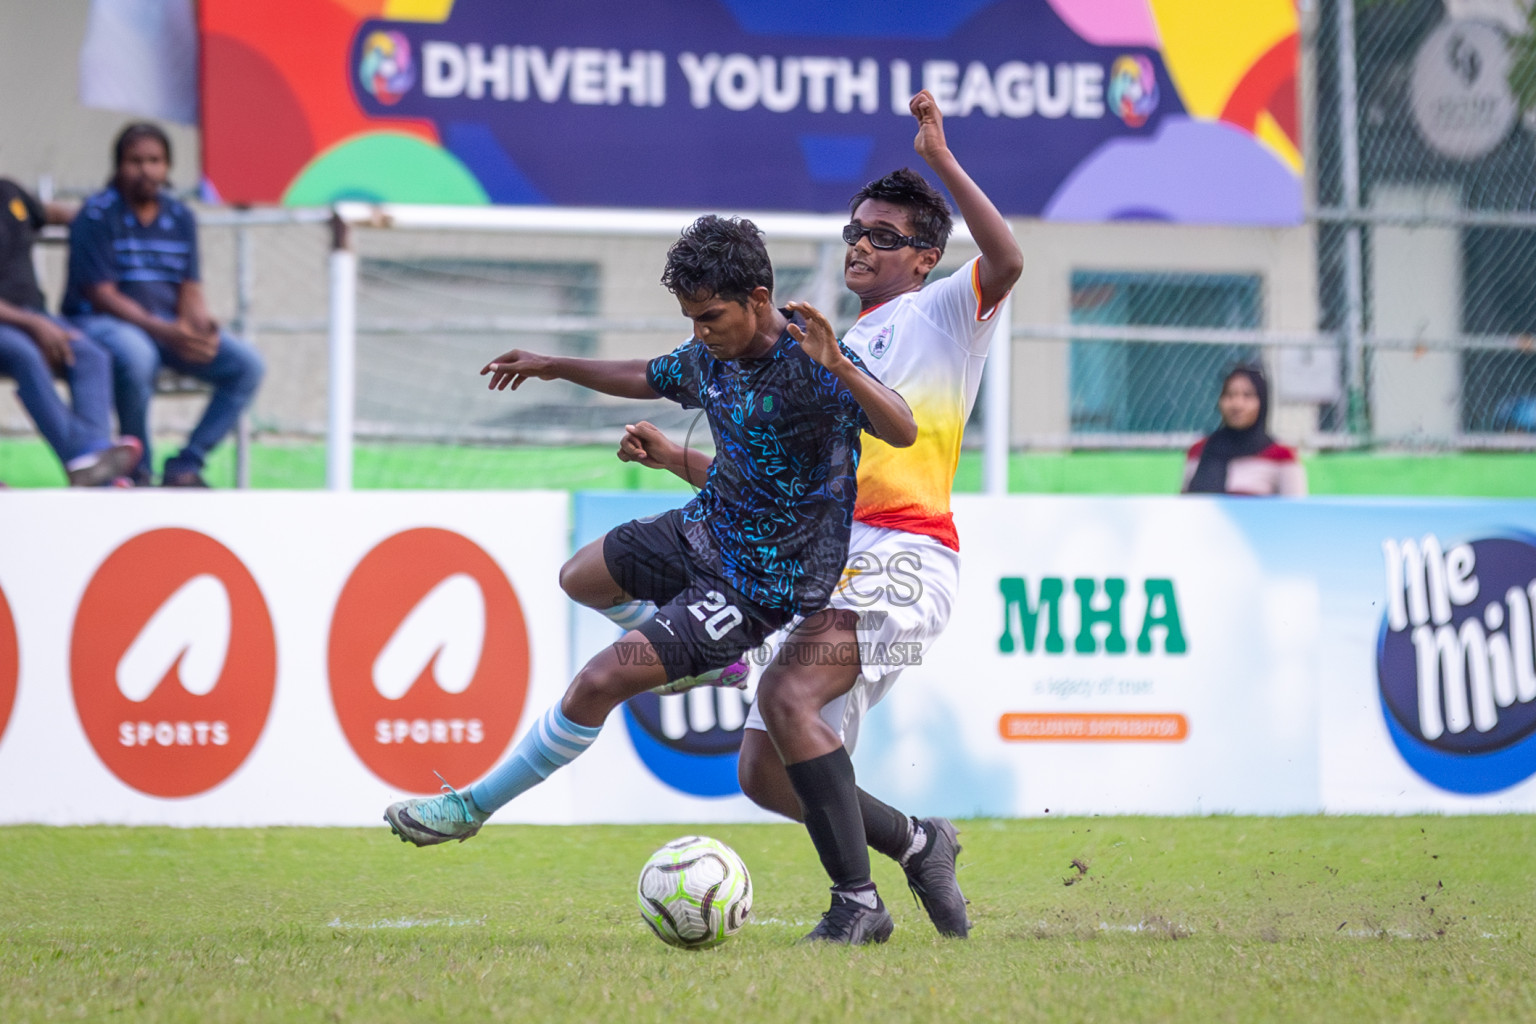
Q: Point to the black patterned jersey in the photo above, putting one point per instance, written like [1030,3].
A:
[775,511]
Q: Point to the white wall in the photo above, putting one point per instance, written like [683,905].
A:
[43,128]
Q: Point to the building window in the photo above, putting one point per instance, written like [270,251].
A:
[1498,387]
[1134,387]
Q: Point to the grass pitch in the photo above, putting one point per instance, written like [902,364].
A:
[1100,919]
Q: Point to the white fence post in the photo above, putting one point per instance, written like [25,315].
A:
[245,287]
[343,360]
[997,378]
[1358,415]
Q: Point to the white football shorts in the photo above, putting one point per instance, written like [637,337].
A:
[904,586]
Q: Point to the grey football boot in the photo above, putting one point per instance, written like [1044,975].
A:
[931,877]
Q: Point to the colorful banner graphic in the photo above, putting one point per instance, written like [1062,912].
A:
[182,663]
[186,663]
[10,659]
[428,660]
[1088,110]
[1185,656]
[173,662]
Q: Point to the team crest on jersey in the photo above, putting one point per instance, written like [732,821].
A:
[882,342]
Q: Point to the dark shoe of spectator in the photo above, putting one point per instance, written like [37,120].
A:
[173,477]
[101,468]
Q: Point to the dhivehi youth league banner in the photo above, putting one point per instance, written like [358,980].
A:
[1174,110]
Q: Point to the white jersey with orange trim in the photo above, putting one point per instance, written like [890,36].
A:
[929,346]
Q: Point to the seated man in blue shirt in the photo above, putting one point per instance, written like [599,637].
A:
[135,289]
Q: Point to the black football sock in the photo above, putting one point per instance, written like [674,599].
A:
[885,828]
[830,798]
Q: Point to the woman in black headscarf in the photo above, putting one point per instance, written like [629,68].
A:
[1240,457]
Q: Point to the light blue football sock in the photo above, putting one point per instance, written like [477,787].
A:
[630,614]
[553,742]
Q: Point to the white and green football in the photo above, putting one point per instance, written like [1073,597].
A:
[695,892]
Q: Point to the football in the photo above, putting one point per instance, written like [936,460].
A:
[695,892]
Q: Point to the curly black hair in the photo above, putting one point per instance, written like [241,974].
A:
[133,133]
[931,219]
[720,257]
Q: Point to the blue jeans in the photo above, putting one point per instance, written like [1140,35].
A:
[84,426]
[235,373]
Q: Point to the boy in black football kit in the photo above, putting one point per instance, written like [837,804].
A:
[764,540]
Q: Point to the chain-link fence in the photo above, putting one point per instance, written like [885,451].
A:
[1400,313]
[1425,171]
[434,304]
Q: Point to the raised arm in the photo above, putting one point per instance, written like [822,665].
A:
[1001,261]
[622,378]
[887,411]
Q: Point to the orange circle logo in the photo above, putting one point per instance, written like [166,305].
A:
[10,663]
[428,660]
[173,662]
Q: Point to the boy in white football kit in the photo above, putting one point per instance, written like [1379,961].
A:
[929,345]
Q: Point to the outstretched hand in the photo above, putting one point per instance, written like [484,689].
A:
[644,443]
[930,126]
[817,338]
[516,366]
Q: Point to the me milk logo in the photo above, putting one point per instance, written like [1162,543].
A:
[173,662]
[1455,660]
[429,660]
[690,740]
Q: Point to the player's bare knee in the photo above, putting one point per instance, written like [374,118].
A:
[571,579]
[600,682]
[586,580]
[783,703]
[768,699]
[583,688]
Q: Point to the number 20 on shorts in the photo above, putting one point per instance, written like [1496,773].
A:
[718,617]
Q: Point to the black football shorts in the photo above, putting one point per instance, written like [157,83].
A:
[701,621]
